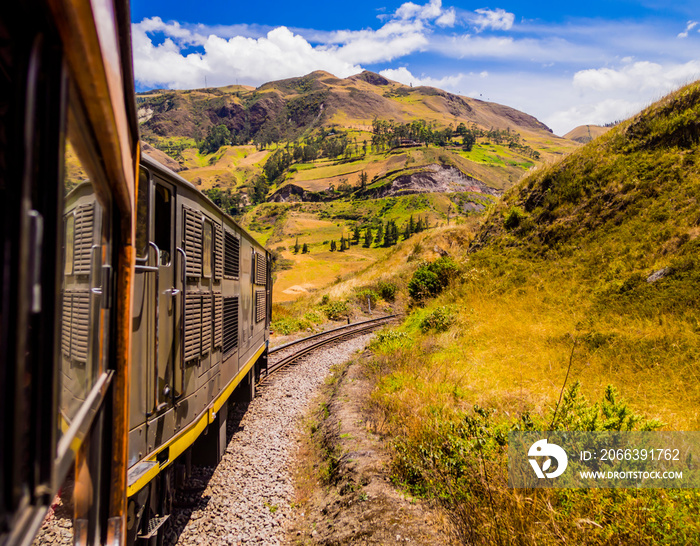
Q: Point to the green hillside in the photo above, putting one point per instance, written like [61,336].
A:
[325,121]
[316,158]
[582,282]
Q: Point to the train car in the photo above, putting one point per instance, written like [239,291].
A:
[68,167]
[201,315]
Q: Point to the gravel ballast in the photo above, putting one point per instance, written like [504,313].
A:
[247,497]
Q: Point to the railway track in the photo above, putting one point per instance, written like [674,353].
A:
[248,497]
[283,355]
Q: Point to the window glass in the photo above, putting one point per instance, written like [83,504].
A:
[86,249]
[206,249]
[142,216]
[163,222]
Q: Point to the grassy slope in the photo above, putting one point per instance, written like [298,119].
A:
[558,274]
[278,225]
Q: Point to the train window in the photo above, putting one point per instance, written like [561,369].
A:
[82,345]
[142,216]
[206,248]
[163,222]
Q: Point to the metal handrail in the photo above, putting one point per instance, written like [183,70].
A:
[154,269]
[183,291]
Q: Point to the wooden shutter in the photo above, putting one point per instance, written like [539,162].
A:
[66,324]
[80,326]
[84,227]
[193,326]
[230,324]
[75,325]
[260,269]
[259,305]
[218,319]
[232,254]
[218,251]
[206,323]
[193,242]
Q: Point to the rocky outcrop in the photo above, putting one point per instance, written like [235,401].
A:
[433,179]
[291,193]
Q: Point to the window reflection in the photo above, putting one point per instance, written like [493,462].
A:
[163,218]
[142,216]
[79,307]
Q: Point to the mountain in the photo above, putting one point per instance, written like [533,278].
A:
[320,108]
[586,133]
[287,108]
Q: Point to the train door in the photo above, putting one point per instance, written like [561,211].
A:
[167,337]
[156,306]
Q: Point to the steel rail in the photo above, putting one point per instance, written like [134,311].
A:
[329,336]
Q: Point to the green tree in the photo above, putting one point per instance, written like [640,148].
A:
[305,249]
[259,190]
[356,234]
[296,246]
[363,180]
[368,238]
[380,234]
[216,138]
[334,246]
[468,141]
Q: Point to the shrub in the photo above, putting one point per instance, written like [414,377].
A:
[438,320]
[431,278]
[423,284]
[387,290]
[513,218]
[313,316]
[335,310]
[390,340]
[364,294]
[286,326]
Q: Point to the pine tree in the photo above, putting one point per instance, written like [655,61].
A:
[305,249]
[363,176]
[356,234]
[380,234]
[334,247]
[343,242]
[391,233]
[296,246]
[411,226]
[368,238]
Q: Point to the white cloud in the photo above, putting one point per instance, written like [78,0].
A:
[394,39]
[279,54]
[593,113]
[428,12]
[642,76]
[498,19]
[447,19]
[453,83]
[689,26]
[225,57]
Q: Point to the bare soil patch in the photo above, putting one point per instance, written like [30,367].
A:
[344,492]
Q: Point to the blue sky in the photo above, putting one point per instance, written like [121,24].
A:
[567,63]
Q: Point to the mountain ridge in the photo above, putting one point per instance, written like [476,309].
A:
[355,100]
